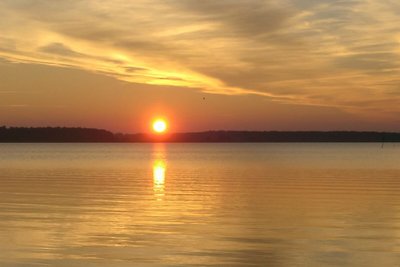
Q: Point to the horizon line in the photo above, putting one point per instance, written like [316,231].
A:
[200,131]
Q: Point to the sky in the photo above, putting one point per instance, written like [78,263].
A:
[203,65]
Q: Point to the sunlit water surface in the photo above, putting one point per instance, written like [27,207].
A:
[108,205]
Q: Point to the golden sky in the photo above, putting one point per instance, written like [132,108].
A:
[261,65]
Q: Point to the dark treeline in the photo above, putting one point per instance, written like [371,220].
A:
[280,136]
[65,135]
[54,134]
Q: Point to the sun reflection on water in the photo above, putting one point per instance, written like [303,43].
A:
[159,170]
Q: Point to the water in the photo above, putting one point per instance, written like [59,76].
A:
[69,205]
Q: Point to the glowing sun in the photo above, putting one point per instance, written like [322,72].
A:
[160,126]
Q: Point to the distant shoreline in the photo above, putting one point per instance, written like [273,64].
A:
[89,135]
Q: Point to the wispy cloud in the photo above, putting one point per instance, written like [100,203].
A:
[331,53]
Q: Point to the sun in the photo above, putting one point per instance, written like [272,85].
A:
[160,126]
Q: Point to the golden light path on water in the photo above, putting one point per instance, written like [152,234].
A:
[159,170]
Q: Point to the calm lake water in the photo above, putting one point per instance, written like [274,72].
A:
[68,205]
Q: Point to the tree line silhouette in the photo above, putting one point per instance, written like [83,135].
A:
[66,135]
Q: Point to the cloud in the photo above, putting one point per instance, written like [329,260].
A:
[335,53]
[248,18]
[59,49]
[373,61]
